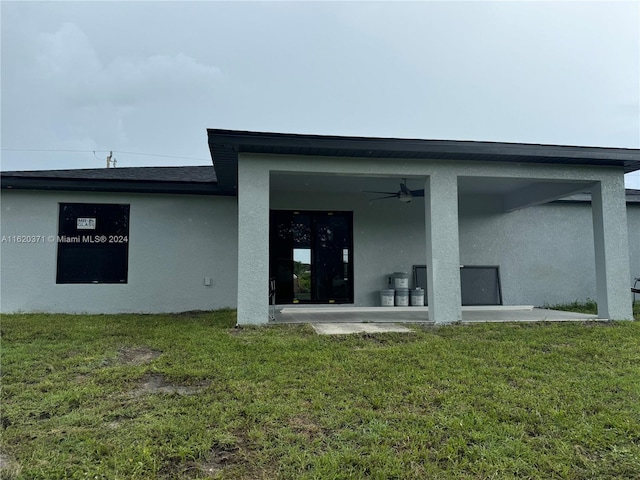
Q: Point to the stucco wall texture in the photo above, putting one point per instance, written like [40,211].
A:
[545,253]
[633,219]
[175,241]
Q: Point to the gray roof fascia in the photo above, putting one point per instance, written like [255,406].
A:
[631,197]
[225,145]
[194,180]
[301,144]
[225,162]
[22,183]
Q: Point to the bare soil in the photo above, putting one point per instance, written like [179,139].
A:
[155,383]
[137,355]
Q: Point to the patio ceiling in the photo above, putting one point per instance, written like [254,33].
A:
[514,193]
[293,182]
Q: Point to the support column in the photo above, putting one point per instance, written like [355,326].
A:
[253,243]
[611,244]
[443,248]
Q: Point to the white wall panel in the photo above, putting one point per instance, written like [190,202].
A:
[175,241]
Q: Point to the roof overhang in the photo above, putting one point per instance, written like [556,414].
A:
[25,183]
[632,197]
[186,180]
[225,145]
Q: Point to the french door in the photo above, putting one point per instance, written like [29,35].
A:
[311,256]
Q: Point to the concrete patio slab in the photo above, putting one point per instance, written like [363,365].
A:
[530,315]
[349,328]
[350,309]
[522,313]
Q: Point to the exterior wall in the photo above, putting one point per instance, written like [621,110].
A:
[175,241]
[633,222]
[545,253]
[387,236]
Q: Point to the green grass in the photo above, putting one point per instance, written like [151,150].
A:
[588,306]
[462,402]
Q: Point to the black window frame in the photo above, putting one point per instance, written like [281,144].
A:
[98,254]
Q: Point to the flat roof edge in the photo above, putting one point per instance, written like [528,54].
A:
[241,138]
[21,183]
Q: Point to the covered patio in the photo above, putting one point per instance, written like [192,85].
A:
[469,193]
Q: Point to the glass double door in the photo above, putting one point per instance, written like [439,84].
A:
[311,256]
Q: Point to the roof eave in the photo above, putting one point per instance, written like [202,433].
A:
[244,141]
[123,186]
[226,145]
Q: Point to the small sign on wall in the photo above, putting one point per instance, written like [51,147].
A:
[86,223]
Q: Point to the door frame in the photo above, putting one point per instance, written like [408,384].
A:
[289,298]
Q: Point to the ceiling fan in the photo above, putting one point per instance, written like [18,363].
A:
[404,194]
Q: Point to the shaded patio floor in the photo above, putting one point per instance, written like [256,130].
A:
[333,314]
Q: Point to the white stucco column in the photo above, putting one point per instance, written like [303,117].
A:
[611,248]
[253,242]
[443,248]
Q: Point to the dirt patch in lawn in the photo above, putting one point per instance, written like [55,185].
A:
[306,426]
[216,460]
[9,468]
[155,383]
[137,355]
[211,466]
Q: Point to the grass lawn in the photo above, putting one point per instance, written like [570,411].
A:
[189,396]
[589,306]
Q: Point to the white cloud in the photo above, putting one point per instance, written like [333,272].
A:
[69,62]
[64,92]
[152,76]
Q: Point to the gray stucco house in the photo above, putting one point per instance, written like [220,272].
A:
[555,221]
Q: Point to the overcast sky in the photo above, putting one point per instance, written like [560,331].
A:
[151,77]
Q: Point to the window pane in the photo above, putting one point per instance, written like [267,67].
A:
[302,273]
[93,244]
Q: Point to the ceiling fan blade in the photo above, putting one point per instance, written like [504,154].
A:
[384,193]
[417,193]
[382,198]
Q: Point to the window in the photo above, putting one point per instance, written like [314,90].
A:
[479,284]
[93,243]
